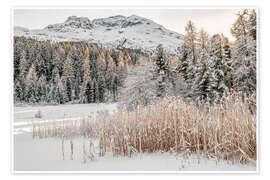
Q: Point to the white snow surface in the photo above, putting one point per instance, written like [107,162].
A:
[46,155]
[132,32]
[25,115]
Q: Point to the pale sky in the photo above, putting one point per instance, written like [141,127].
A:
[212,20]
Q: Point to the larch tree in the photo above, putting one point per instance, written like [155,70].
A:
[203,39]
[191,39]
[85,94]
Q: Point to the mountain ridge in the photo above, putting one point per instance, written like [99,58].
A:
[117,31]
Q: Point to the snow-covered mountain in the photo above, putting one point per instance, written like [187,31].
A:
[133,32]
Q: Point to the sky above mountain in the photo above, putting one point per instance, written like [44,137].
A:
[212,20]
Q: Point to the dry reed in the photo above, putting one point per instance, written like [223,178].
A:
[224,130]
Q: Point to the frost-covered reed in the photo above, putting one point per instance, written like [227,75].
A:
[223,130]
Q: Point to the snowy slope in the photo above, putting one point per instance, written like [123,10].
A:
[113,32]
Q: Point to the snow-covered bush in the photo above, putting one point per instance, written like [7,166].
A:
[139,86]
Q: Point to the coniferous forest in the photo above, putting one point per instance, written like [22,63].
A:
[205,68]
[58,73]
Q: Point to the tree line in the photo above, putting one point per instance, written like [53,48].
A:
[46,72]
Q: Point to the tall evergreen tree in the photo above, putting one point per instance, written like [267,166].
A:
[23,65]
[201,82]
[161,71]
[216,78]
[31,85]
[18,93]
[227,62]
[244,52]
[68,77]
[41,89]
[59,94]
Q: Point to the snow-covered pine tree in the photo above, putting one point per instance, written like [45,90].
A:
[161,71]
[51,91]
[93,90]
[17,51]
[101,83]
[40,64]
[77,57]
[188,54]
[114,86]
[41,89]
[85,96]
[31,79]
[23,71]
[68,77]
[58,58]
[244,52]
[186,67]
[18,93]
[46,54]
[59,94]
[101,88]
[23,65]
[227,62]
[199,90]
[183,61]
[216,75]
[252,24]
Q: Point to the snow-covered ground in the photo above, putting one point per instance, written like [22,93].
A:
[46,154]
[24,115]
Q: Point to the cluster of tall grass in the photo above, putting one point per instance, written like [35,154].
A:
[221,130]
